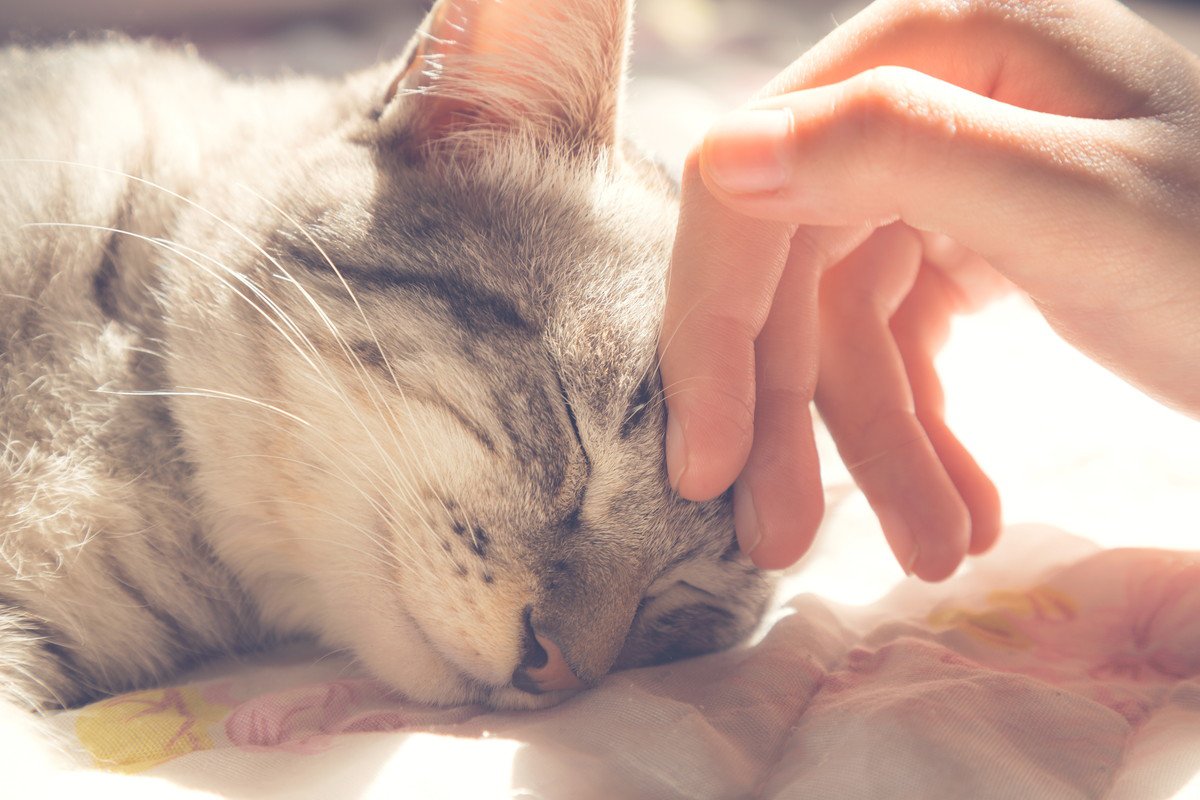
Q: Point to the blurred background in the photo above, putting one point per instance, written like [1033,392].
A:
[693,57]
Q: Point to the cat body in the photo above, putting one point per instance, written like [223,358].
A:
[108,580]
[369,360]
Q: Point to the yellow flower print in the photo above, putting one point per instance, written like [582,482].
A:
[1004,619]
[134,732]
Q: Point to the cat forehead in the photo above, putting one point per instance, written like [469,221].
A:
[577,251]
[521,193]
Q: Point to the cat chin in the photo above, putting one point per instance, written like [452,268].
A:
[414,667]
[443,685]
[507,698]
[391,644]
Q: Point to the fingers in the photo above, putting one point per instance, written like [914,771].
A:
[975,282]
[919,328]
[724,271]
[779,499]
[1020,130]
[868,403]
[1096,60]
[893,144]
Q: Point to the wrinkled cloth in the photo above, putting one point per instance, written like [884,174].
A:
[1050,669]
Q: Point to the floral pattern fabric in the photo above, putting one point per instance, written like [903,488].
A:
[1077,677]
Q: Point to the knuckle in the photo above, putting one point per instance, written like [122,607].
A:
[891,110]
[881,113]
[873,282]
[958,12]
[787,396]
[732,333]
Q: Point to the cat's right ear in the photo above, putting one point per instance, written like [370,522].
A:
[552,70]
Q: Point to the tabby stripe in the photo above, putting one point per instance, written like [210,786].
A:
[562,390]
[696,588]
[719,613]
[690,554]
[475,308]
[544,462]
[241,604]
[687,617]
[105,281]
[182,637]
[639,404]
[463,419]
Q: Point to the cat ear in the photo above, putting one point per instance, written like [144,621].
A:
[553,69]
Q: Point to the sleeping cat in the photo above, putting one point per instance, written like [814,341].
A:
[370,360]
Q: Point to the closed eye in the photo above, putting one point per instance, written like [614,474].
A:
[569,504]
[562,390]
[639,405]
[667,584]
[687,631]
[695,588]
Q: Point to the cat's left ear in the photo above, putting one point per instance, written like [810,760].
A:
[552,69]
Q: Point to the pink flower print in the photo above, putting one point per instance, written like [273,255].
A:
[299,720]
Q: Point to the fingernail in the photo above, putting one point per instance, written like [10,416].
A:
[676,452]
[745,519]
[900,538]
[744,153]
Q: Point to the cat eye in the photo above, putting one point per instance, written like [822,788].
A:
[569,503]
[683,632]
[641,402]
[566,401]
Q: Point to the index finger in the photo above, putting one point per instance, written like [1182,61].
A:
[724,278]
[724,271]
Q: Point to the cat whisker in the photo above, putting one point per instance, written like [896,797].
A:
[338,652]
[262,295]
[372,391]
[212,393]
[158,187]
[660,397]
[373,479]
[178,249]
[377,507]
[665,346]
[360,368]
[228,396]
[173,246]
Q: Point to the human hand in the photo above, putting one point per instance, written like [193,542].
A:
[1059,142]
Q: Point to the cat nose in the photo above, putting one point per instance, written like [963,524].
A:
[543,667]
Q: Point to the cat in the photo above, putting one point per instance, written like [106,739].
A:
[369,360]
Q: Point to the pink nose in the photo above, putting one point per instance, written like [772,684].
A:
[556,673]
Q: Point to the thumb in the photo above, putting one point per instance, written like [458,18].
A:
[895,144]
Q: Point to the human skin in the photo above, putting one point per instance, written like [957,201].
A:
[916,161]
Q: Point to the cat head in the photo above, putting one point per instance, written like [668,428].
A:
[443,442]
